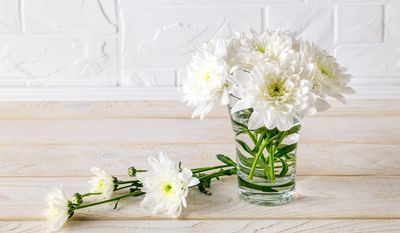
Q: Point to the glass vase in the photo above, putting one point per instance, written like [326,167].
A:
[266,160]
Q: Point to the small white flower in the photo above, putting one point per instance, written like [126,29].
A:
[277,93]
[207,84]
[58,210]
[101,183]
[266,47]
[166,186]
[330,79]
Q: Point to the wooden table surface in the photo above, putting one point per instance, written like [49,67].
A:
[348,167]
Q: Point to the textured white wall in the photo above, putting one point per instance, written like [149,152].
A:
[137,49]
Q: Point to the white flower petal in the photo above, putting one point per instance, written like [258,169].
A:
[57,213]
[184,203]
[322,105]
[241,105]
[284,122]
[339,97]
[193,182]
[166,161]
[269,121]
[154,164]
[220,48]
[225,98]
[291,139]
[256,120]
[348,90]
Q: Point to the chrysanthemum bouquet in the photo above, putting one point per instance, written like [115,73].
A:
[270,81]
[164,188]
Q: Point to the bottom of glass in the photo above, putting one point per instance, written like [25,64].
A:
[266,198]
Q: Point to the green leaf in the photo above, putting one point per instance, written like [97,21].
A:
[244,160]
[291,157]
[240,132]
[285,149]
[285,168]
[237,123]
[207,183]
[225,159]
[116,204]
[244,183]
[294,129]
[244,146]
[202,189]
[248,162]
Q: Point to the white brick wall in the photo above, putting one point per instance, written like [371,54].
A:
[137,49]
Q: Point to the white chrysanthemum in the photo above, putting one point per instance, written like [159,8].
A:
[166,186]
[58,209]
[206,84]
[266,47]
[277,93]
[101,183]
[330,79]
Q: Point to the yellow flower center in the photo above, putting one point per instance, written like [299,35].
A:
[100,185]
[276,89]
[325,71]
[167,187]
[261,49]
[54,212]
[207,76]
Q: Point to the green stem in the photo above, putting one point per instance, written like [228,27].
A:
[203,169]
[124,187]
[263,132]
[136,193]
[283,135]
[253,166]
[127,182]
[271,162]
[218,174]
[270,170]
[253,139]
[90,194]
[260,152]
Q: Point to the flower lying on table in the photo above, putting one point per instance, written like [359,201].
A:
[102,183]
[59,208]
[165,188]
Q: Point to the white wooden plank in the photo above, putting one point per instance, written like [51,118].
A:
[319,197]
[349,129]
[163,109]
[201,226]
[75,160]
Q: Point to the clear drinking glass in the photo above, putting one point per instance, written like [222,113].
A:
[266,160]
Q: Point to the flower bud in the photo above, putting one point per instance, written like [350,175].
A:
[132,171]
[77,199]
[115,181]
[71,209]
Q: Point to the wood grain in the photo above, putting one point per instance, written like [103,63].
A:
[164,109]
[350,197]
[351,129]
[348,160]
[218,226]
[76,160]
